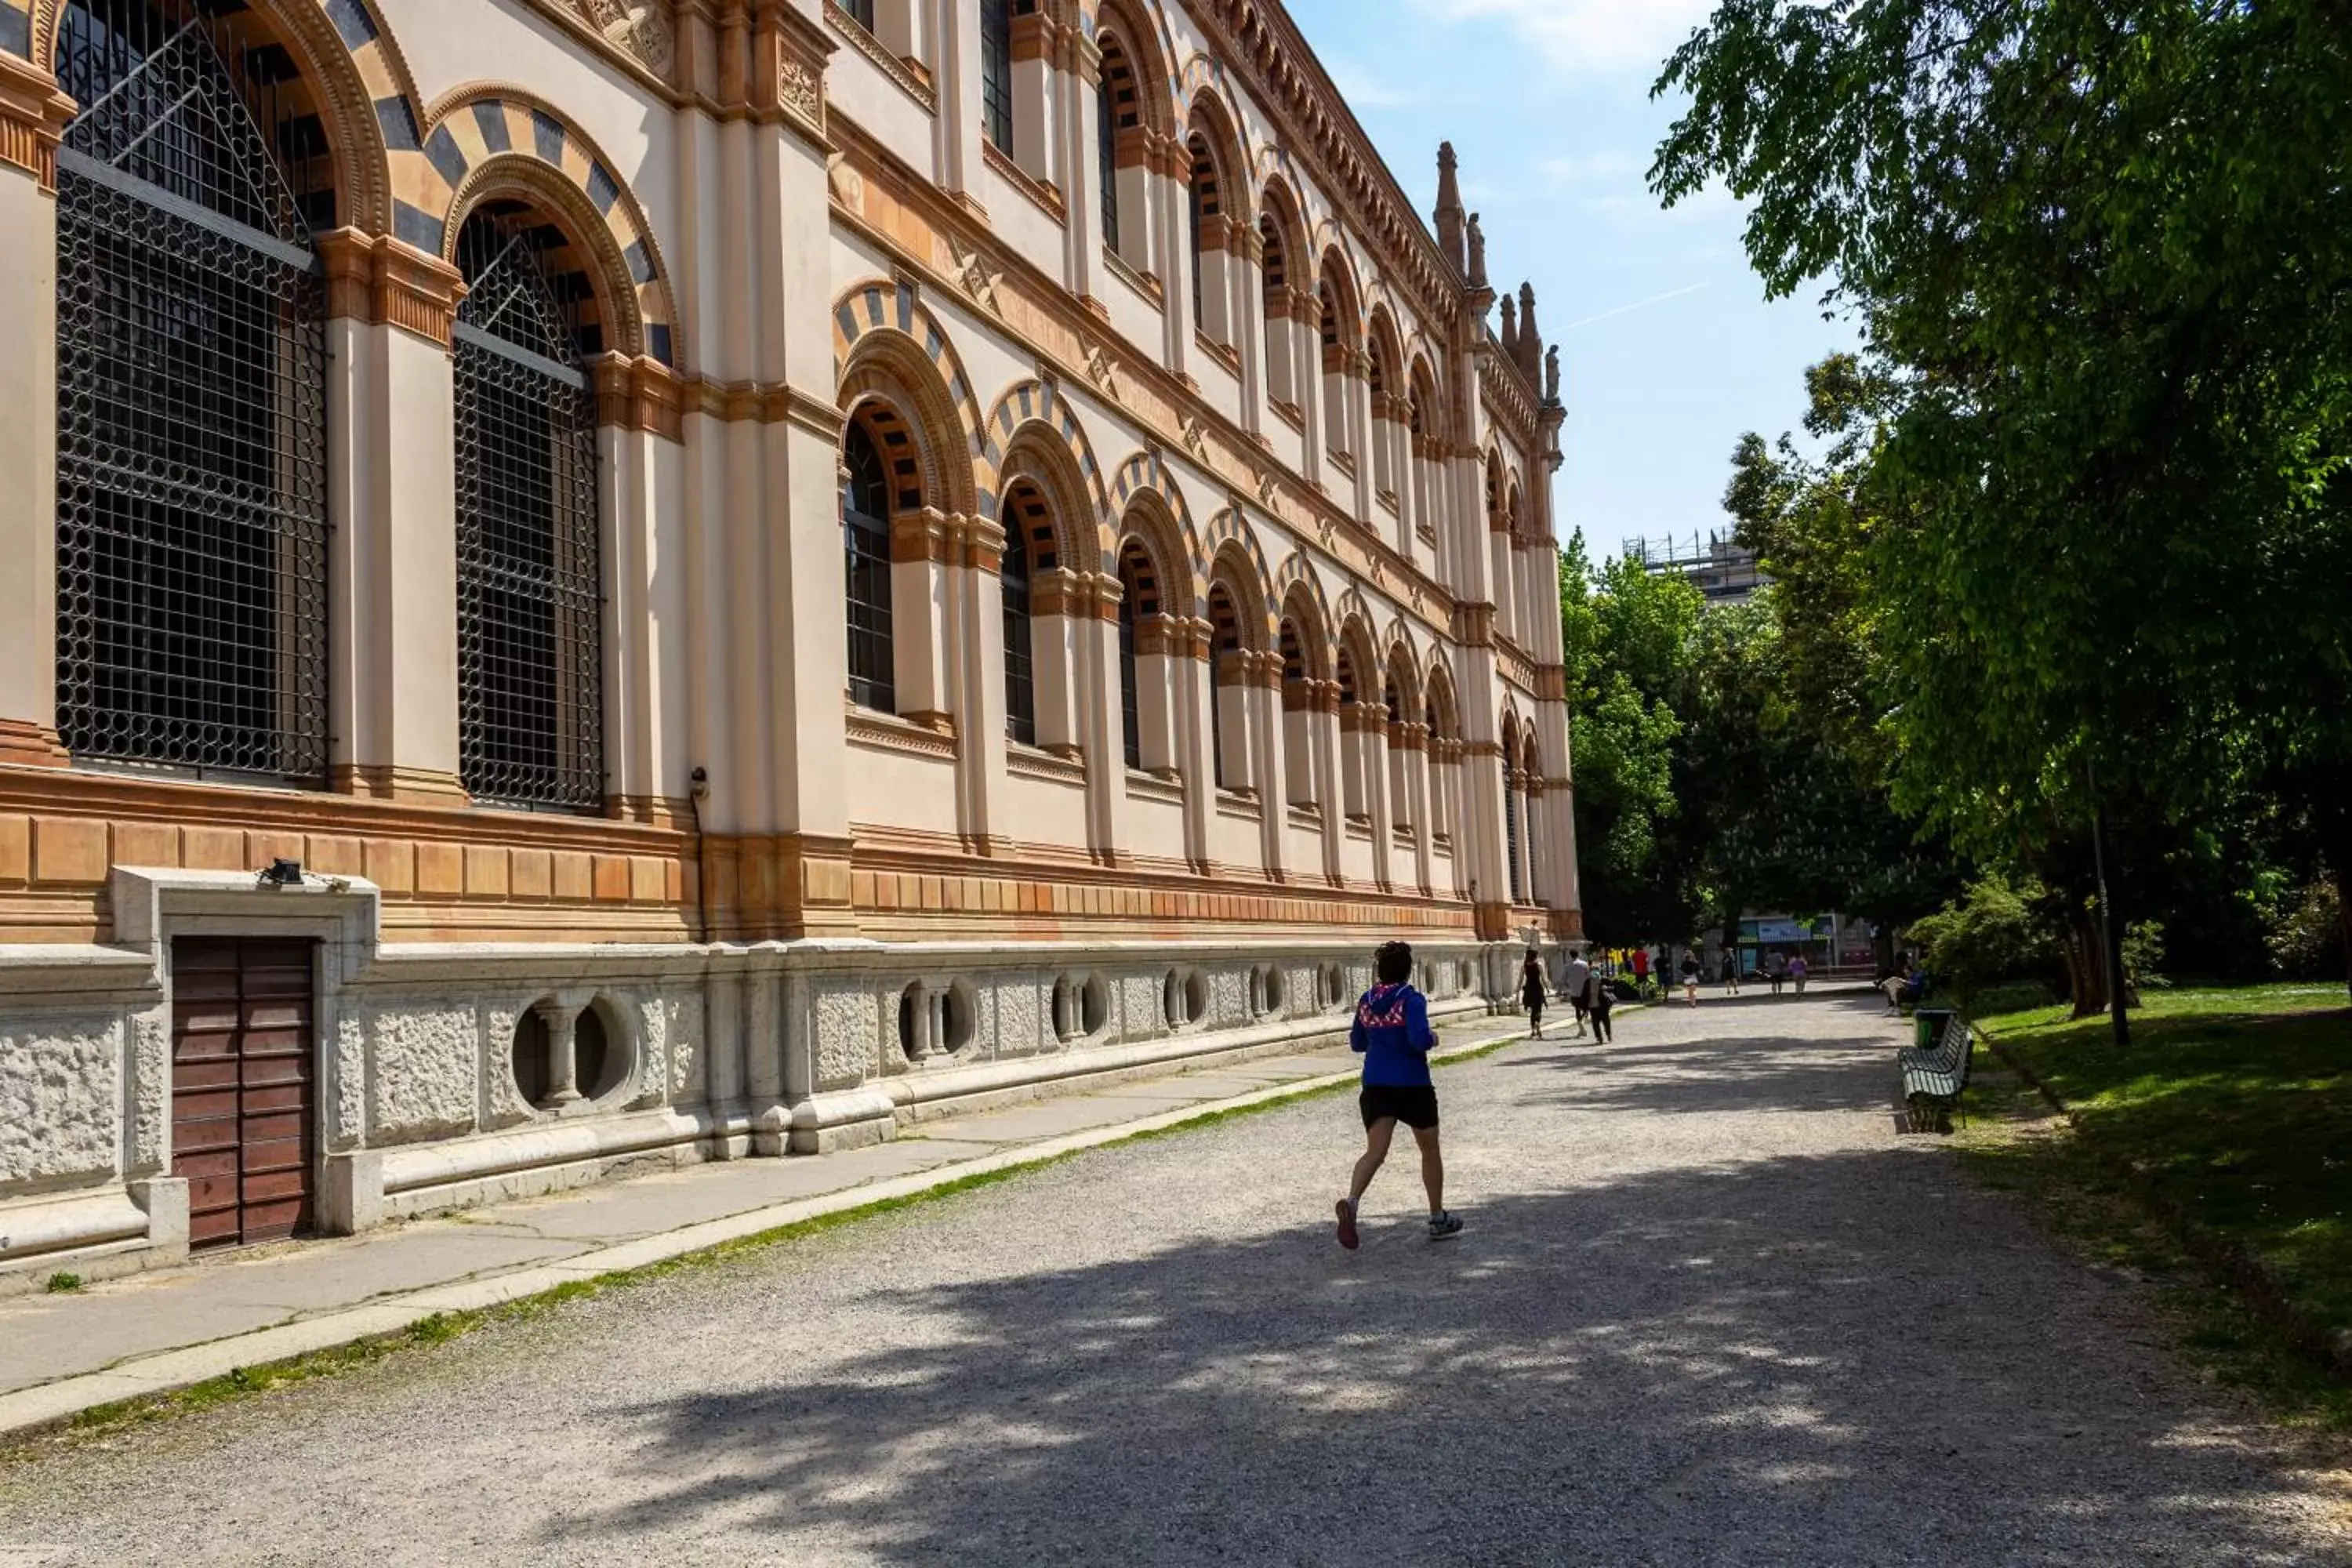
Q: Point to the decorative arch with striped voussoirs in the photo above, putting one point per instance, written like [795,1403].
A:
[885,312]
[1296,581]
[1230,537]
[484,143]
[1036,410]
[1146,475]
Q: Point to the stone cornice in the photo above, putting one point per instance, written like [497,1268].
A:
[381,280]
[1257,40]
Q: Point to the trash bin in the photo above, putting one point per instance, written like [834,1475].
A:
[1930,1022]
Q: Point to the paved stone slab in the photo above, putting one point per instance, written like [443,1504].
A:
[1053,1118]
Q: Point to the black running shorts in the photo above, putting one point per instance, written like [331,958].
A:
[1415,1105]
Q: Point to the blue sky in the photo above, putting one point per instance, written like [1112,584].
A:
[1668,348]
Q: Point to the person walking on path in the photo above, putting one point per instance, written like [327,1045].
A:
[1531,991]
[1601,1001]
[1642,970]
[1392,1033]
[1798,970]
[1690,978]
[1731,974]
[1579,981]
[1776,969]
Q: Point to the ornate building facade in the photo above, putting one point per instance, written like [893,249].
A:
[636,581]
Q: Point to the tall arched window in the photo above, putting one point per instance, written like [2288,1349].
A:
[1280,373]
[1203,205]
[530,585]
[1106,111]
[1028,536]
[1138,597]
[1298,709]
[191,368]
[1511,825]
[866,539]
[996,72]
[1224,704]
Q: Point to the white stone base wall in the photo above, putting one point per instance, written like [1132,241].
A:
[711,1052]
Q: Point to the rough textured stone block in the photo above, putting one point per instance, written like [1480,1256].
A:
[424,1072]
[60,1100]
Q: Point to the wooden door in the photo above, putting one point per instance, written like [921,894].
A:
[243,1109]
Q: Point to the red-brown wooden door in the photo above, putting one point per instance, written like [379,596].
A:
[243,1109]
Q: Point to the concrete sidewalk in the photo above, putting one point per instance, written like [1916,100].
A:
[153,1332]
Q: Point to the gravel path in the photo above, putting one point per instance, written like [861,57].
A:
[1698,1319]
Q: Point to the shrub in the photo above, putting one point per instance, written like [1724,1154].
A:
[2308,938]
[2144,955]
[1991,935]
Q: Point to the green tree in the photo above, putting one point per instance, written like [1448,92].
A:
[2101,257]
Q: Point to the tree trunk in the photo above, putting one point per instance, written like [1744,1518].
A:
[2344,917]
[2086,959]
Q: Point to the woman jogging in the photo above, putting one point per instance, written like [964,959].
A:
[1392,1033]
[1531,993]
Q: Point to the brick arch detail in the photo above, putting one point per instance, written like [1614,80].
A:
[490,137]
[883,315]
[1145,478]
[1035,414]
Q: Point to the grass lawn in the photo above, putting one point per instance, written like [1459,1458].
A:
[2236,1106]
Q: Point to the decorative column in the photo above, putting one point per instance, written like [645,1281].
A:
[920,543]
[979,640]
[1174,191]
[33,116]
[1094,619]
[1413,746]
[1266,741]
[1036,123]
[959,138]
[392,472]
[645,606]
[1193,673]
[1080,120]
[1306,376]
[1328,770]
[1247,243]
[1235,673]
[1356,387]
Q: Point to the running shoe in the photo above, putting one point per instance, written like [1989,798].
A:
[1347,1237]
[1442,1225]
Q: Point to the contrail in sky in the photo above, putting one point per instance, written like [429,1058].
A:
[1636,305]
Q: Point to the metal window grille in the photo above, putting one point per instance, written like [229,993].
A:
[996,72]
[1130,706]
[1107,154]
[529,581]
[191,465]
[1511,839]
[1019,665]
[1197,200]
[865,535]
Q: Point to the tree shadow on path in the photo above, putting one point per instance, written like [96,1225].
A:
[1843,1359]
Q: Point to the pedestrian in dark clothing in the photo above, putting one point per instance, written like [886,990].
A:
[1601,1002]
[1531,991]
[1731,974]
[1579,988]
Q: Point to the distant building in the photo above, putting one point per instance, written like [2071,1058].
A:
[1716,563]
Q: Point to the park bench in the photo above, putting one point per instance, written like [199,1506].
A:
[1936,1078]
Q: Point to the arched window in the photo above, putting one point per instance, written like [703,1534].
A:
[1106,116]
[1207,207]
[1028,547]
[1225,692]
[1280,372]
[191,416]
[866,510]
[529,586]
[1511,825]
[996,72]
[1138,597]
[1298,709]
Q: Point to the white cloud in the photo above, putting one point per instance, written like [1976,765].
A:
[1362,89]
[1588,35]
